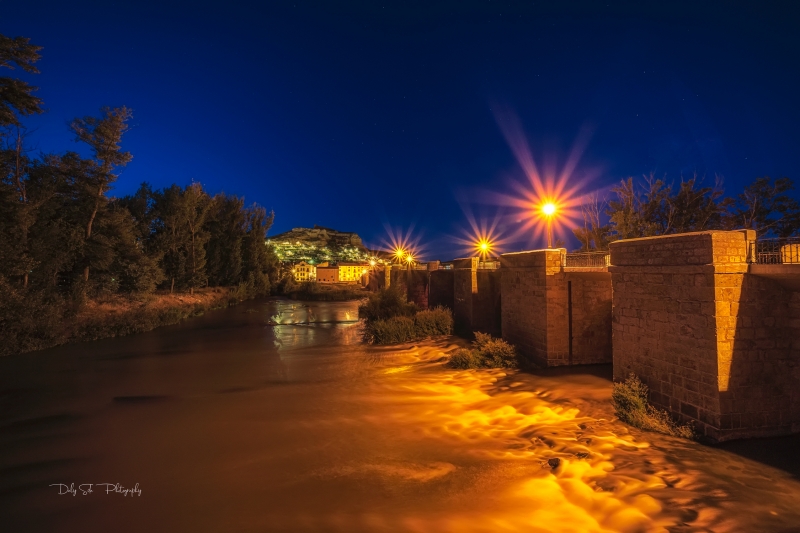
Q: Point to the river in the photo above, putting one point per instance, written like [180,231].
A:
[272,416]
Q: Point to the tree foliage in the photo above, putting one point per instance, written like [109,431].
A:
[16,96]
[653,206]
[59,223]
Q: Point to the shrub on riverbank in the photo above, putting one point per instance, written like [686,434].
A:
[630,399]
[436,321]
[389,319]
[386,303]
[390,331]
[397,329]
[487,352]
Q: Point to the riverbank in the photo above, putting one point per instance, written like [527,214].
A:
[114,317]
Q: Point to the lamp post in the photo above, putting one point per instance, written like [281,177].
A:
[549,210]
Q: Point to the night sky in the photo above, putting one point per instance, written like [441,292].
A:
[362,116]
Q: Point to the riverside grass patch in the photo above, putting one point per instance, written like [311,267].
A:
[398,329]
[486,352]
[630,399]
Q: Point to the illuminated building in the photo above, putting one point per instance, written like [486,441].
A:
[304,271]
[328,274]
[352,271]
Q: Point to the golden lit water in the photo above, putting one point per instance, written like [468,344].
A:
[273,417]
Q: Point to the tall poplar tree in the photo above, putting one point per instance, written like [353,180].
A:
[103,135]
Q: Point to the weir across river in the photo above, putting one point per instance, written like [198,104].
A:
[710,321]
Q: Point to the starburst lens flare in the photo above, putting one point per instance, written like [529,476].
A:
[402,246]
[548,200]
[484,248]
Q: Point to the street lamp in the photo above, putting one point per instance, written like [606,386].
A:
[549,210]
[484,246]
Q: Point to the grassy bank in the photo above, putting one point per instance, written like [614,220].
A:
[55,324]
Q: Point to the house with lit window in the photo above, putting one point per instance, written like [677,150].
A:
[304,271]
[352,271]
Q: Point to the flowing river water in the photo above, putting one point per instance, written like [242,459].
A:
[272,416]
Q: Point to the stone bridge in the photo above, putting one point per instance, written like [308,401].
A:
[710,321]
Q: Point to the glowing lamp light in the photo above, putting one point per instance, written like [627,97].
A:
[409,259]
[372,263]
[549,209]
[484,246]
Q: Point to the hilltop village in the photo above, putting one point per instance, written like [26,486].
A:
[325,255]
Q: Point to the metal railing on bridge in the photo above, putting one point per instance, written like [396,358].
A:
[785,251]
[586,260]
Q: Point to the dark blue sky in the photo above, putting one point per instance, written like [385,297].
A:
[357,116]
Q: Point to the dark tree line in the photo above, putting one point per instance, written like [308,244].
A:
[651,206]
[62,236]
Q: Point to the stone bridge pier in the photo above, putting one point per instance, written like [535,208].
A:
[554,313]
[716,339]
[476,298]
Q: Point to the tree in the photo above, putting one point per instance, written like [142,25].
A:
[694,208]
[132,269]
[227,227]
[16,99]
[256,262]
[103,135]
[141,207]
[16,96]
[169,234]
[654,207]
[195,206]
[766,207]
[594,235]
